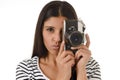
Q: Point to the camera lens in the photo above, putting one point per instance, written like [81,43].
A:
[76,38]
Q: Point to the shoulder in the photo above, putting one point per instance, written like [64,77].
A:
[93,69]
[27,63]
[24,68]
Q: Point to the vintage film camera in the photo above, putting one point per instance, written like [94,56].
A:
[73,33]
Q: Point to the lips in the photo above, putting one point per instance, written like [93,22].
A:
[56,47]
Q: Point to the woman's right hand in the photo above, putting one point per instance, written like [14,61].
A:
[65,61]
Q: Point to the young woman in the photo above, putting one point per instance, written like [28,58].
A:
[49,59]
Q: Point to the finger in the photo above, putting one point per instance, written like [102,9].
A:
[78,54]
[71,62]
[82,52]
[88,40]
[68,58]
[66,53]
[61,48]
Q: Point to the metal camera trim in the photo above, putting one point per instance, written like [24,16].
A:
[80,29]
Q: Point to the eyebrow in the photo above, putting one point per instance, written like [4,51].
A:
[48,26]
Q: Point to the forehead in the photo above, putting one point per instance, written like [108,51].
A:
[54,21]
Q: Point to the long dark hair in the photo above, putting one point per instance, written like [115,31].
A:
[53,8]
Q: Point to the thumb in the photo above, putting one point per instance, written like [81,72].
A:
[88,40]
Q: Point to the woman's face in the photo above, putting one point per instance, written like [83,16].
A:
[52,32]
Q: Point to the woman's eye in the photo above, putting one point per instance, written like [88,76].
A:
[50,29]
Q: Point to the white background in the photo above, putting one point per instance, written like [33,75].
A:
[18,20]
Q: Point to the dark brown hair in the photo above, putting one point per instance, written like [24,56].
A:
[53,8]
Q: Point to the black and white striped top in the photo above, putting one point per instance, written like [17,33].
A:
[30,70]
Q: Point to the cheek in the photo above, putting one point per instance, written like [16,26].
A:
[47,42]
[46,38]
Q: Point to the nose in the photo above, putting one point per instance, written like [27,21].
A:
[57,37]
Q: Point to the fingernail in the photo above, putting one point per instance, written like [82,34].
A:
[63,42]
[71,47]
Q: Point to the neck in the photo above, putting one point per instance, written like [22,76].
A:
[50,59]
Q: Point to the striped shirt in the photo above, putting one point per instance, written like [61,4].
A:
[29,70]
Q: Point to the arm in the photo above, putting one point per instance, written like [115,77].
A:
[82,74]
[93,70]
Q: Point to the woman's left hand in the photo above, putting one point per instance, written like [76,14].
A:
[82,55]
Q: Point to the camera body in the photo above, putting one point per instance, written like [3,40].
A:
[73,33]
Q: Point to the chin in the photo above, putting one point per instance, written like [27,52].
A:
[55,51]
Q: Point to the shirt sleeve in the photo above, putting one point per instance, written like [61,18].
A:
[93,70]
[22,71]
